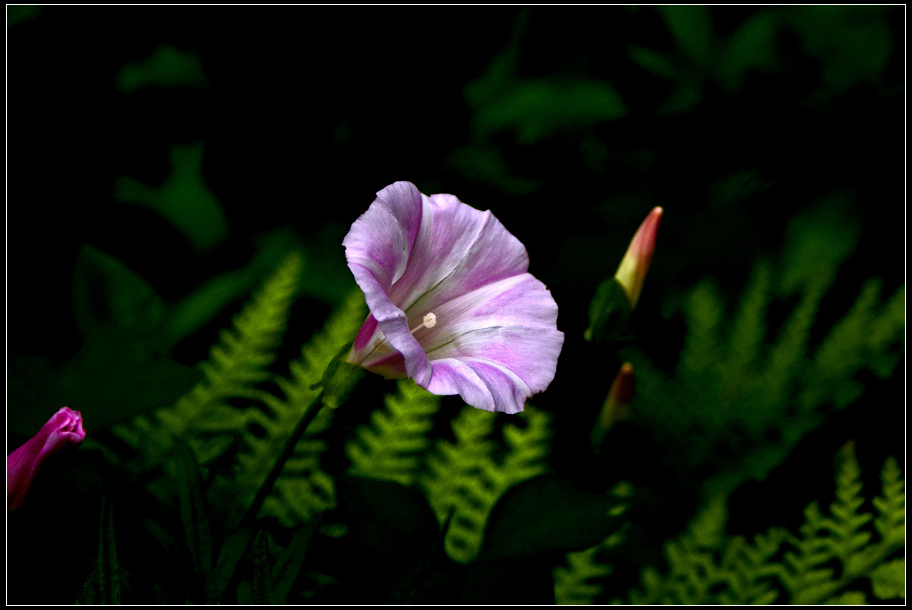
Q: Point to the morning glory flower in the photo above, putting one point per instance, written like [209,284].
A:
[22,465]
[451,303]
[632,271]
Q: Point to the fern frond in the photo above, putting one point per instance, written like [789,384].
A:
[735,393]
[831,552]
[861,339]
[302,489]
[577,583]
[393,446]
[237,363]
[453,462]
[464,477]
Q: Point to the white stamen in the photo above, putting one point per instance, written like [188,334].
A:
[429,321]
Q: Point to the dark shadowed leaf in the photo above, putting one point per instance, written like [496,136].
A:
[547,514]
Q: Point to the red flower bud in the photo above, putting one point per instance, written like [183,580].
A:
[632,272]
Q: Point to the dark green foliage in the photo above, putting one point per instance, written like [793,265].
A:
[609,315]
[706,566]
[103,586]
[262,572]
[303,488]
[747,387]
[194,510]
[237,364]
[546,514]
[122,368]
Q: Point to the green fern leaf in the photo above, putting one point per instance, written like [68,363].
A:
[831,553]
[463,477]
[237,363]
[730,396]
[302,489]
[577,583]
[393,446]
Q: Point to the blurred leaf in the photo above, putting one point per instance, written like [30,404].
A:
[653,61]
[166,67]
[207,301]
[107,292]
[122,368]
[691,26]
[853,43]
[537,109]
[262,572]
[288,564]
[108,566]
[610,315]
[752,46]
[819,239]
[193,509]
[889,580]
[184,199]
[230,555]
[849,598]
[391,533]
[485,164]
[547,514]
[20,13]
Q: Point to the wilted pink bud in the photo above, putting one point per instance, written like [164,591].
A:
[22,465]
[632,271]
[617,405]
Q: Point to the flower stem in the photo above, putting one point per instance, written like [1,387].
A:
[266,488]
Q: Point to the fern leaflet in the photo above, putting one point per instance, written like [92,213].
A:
[577,583]
[236,364]
[707,567]
[302,489]
[464,477]
[393,446]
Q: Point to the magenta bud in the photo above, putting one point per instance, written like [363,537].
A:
[22,465]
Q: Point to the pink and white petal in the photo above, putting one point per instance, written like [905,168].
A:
[520,300]
[481,384]
[453,255]
[393,324]
[380,239]
[530,353]
[452,376]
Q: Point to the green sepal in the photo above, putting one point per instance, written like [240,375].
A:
[610,315]
[339,379]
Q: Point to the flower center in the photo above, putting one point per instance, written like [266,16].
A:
[383,347]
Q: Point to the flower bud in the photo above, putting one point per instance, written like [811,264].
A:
[617,405]
[632,271]
[22,465]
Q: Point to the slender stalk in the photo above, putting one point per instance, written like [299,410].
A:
[266,488]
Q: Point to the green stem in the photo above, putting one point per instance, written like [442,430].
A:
[266,488]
